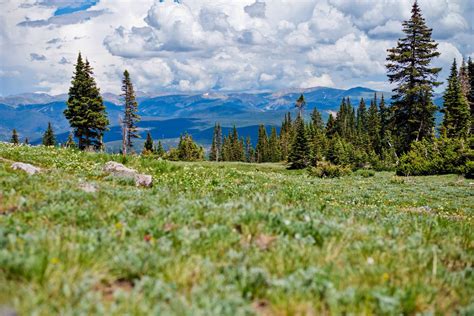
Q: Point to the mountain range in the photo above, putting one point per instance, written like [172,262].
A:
[168,116]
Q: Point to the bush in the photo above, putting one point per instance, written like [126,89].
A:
[441,156]
[327,170]
[187,150]
[469,171]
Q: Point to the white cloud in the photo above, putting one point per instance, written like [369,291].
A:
[219,44]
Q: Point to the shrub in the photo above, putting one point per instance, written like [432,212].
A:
[441,156]
[327,170]
[469,171]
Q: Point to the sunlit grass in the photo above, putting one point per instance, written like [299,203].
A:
[230,239]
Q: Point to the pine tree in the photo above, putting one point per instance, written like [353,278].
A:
[317,120]
[274,147]
[286,134]
[464,79]
[299,156]
[300,104]
[261,151]
[331,126]
[456,122]
[361,117]
[159,150]
[470,69]
[148,146]
[237,146]
[373,126]
[131,116]
[249,151]
[15,139]
[27,142]
[188,150]
[409,67]
[85,109]
[318,141]
[384,113]
[70,141]
[216,147]
[48,137]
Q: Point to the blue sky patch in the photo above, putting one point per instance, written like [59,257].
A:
[75,6]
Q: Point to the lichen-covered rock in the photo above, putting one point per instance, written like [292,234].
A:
[88,187]
[143,180]
[26,167]
[117,169]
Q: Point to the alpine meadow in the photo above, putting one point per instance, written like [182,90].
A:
[253,157]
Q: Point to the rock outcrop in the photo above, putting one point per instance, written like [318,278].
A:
[26,167]
[119,170]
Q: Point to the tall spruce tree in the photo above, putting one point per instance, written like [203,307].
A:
[14,139]
[131,117]
[373,126]
[331,126]
[48,137]
[26,142]
[85,108]
[286,134]
[361,124]
[317,120]
[249,151]
[216,147]
[261,151]
[470,98]
[464,79]
[456,122]
[409,68]
[159,150]
[148,146]
[300,104]
[274,146]
[299,156]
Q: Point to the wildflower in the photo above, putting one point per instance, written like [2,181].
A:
[148,238]
[370,261]
[385,276]
[54,260]
[118,225]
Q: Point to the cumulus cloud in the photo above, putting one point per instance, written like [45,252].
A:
[256,10]
[190,45]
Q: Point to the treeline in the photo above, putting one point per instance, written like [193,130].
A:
[352,137]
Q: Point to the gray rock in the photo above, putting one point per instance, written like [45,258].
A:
[119,170]
[88,187]
[26,167]
[7,311]
[143,180]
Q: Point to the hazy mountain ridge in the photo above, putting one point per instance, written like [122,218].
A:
[194,113]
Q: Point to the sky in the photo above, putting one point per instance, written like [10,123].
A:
[217,45]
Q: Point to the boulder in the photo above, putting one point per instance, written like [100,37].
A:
[26,167]
[143,180]
[119,170]
[88,187]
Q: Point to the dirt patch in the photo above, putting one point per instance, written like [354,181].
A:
[108,289]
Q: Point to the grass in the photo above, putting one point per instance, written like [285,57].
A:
[230,239]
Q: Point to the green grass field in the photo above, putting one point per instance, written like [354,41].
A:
[229,239]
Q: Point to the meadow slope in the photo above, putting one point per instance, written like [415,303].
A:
[229,239]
